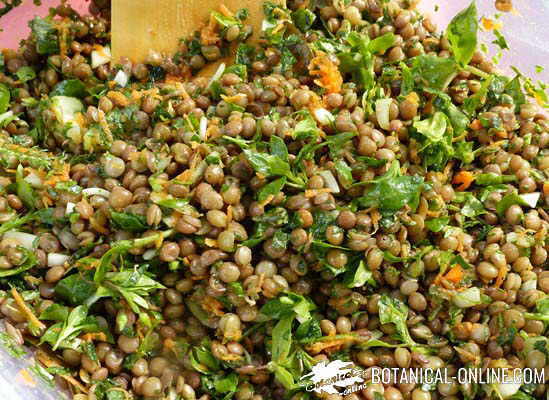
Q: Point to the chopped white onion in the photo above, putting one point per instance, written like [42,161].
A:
[330,181]
[382,112]
[217,75]
[121,78]
[56,259]
[96,192]
[34,179]
[25,240]
[203,127]
[468,298]
[101,55]
[506,390]
[324,117]
[149,254]
[169,221]
[70,208]
[531,198]
[529,285]
[5,116]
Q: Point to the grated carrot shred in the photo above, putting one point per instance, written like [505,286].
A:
[489,24]
[326,72]
[502,273]
[464,179]
[208,34]
[476,125]
[455,275]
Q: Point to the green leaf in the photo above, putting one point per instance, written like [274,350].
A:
[382,43]
[75,323]
[493,179]
[284,377]
[282,339]
[437,224]
[474,102]
[272,188]
[303,19]
[359,277]
[9,344]
[29,261]
[508,201]
[443,102]
[514,89]
[471,207]
[267,164]
[225,21]
[245,54]
[288,304]
[500,40]
[305,128]
[462,34]
[121,247]
[280,240]
[437,146]
[129,222]
[71,88]
[278,148]
[45,35]
[203,361]
[25,74]
[392,310]
[344,173]
[24,189]
[4,98]
[392,191]
[308,331]
[55,312]
[434,72]
[227,384]
[433,128]
[75,289]
[463,151]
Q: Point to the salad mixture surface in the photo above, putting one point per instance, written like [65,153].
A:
[357,186]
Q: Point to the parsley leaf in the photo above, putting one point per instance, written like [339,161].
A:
[462,34]
[45,35]
[393,191]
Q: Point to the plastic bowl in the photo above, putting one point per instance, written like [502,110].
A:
[524,31]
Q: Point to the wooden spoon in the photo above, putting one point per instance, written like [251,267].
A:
[139,26]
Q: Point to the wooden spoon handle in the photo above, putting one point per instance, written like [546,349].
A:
[139,26]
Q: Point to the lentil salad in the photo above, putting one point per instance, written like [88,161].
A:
[355,187]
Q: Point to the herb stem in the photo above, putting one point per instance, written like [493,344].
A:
[476,71]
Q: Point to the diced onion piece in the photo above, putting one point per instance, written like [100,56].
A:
[96,192]
[330,181]
[506,390]
[5,116]
[217,75]
[169,221]
[101,55]
[382,112]
[323,116]
[121,78]
[34,179]
[529,285]
[70,208]
[149,254]
[56,259]
[468,298]
[531,198]
[203,127]
[25,240]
